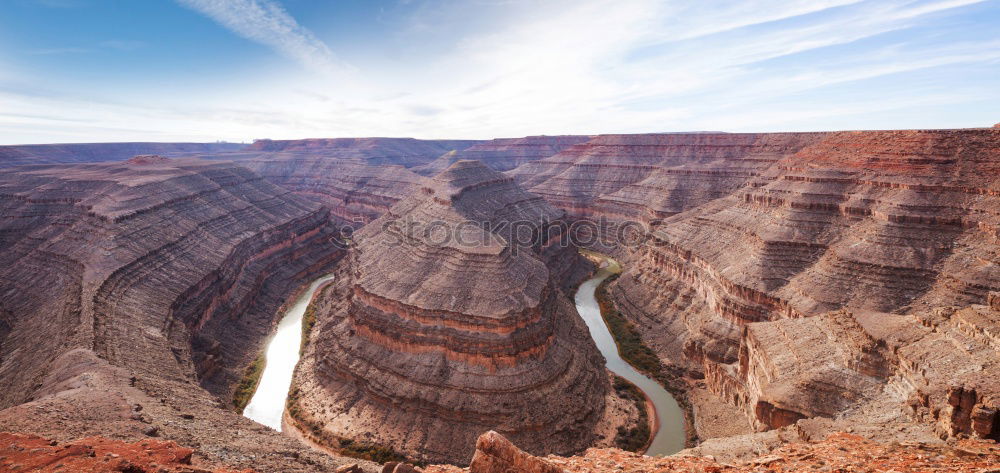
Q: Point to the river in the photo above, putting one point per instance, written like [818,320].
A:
[669,437]
[268,403]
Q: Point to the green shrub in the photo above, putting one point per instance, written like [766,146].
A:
[248,384]
[630,345]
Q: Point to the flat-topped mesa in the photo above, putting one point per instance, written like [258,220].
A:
[443,326]
[147,159]
[653,176]
[375,151]
[504,154]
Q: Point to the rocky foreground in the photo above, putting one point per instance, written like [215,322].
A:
[840,452]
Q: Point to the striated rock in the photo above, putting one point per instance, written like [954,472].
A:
[151,285]
[147,159]
[503,154]
[495,454]
[654,176]
[446,323]
[406,152]
[17,155]
[357,193]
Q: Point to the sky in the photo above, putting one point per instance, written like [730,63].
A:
[239,70]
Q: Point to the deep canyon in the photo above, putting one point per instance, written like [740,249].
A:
[799,292]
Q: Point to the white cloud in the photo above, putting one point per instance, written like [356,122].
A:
[571,66]
[267,22]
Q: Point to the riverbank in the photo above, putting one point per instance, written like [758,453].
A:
[630,346]
[643,358]
[667,422]
[267,404]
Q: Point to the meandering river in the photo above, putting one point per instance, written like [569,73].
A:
[669,437]
[268,402]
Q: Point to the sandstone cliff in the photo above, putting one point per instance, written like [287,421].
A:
[893,222]
[135,294]
[444,325]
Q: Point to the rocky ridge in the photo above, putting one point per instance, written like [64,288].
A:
[443,325]
[138,292]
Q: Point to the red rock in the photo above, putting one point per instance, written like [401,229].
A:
[495,454]
[95,455]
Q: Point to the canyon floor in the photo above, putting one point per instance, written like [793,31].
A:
[825,301]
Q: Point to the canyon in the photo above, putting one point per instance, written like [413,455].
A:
[804,292]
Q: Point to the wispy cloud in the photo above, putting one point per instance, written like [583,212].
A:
[268,23]
[560,66]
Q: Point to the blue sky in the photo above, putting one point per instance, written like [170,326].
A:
[237,70]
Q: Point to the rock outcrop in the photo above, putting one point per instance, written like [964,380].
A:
[838,452]
[495,454]
[96,455]
[449,320]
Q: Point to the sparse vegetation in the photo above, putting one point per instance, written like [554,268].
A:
[630,345]
[636,438]
[248,384]
[308,321]
[343,446]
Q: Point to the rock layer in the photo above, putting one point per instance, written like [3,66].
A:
[444,325]
[504,154]
[17,155]
[874,222]
[149,284]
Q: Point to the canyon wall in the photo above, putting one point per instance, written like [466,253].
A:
[654,176]
[17,155]
[794,225]
[355,192]
[407,152]
[448,320]
[503,154]
[136,293]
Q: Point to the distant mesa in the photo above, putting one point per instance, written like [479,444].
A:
[147,159]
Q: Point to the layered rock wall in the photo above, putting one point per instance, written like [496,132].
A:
[444,325]
[140,283]
[504,154]
[887,222]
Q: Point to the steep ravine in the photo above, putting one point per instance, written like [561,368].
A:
[669,434]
